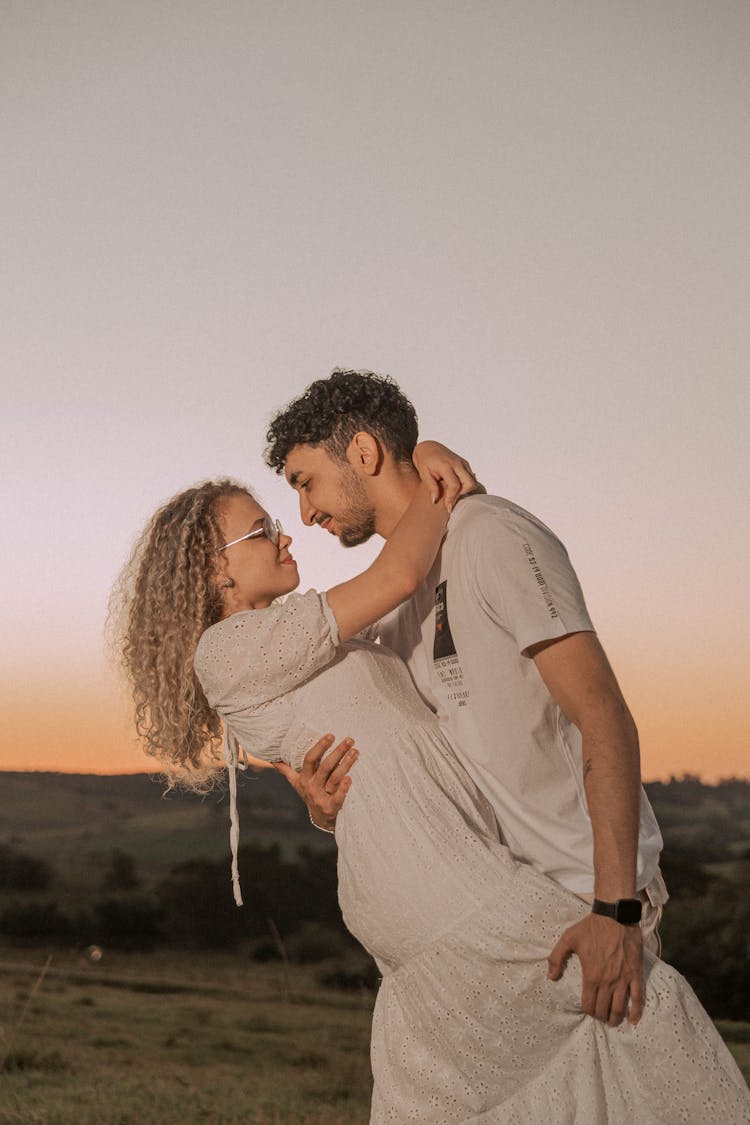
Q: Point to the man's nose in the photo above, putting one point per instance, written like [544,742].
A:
[306,510]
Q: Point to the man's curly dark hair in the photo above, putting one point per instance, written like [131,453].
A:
[331,411]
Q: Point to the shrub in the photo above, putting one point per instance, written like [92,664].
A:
[130,923]
[266,950]
[314,943]
[36,921]
[352,978]
[708,939]
[21,872]
[196,907]
[121,874]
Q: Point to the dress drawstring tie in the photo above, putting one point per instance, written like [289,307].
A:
[236,759]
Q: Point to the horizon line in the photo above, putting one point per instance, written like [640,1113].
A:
[686,776]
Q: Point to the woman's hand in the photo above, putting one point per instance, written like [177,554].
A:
[323,783]
[444,473]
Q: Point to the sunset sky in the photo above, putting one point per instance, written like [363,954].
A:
[531,213]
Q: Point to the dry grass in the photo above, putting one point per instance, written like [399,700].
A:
[186,1039]
[172,1039]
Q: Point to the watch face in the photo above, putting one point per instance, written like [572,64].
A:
[628,911]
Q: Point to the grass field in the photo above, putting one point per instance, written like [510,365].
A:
[172,1037]
[163,1039]
[159,1039]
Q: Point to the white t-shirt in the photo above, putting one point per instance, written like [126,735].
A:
[502,583]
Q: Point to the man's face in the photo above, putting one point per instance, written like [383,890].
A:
[330,494]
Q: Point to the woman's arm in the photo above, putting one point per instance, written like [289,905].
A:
[398,571]
[441,468]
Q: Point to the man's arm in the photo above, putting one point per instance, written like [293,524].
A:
[580,679]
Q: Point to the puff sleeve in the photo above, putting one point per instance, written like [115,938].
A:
[256,656]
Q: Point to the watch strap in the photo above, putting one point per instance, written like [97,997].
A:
[626,911]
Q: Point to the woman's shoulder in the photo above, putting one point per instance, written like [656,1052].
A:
[278,645]
[294,609]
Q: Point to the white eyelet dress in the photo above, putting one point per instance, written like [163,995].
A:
[467,1027]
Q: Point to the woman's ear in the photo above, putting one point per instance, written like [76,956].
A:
[220,573]
[223,583]
[365,454]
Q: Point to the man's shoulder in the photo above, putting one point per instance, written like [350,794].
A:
[474,514]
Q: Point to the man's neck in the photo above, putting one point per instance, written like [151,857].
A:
[394,492]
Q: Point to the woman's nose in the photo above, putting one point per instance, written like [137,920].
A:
[284,539]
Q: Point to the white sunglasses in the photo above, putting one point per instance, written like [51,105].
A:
[272,529]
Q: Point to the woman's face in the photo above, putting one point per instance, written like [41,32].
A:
[253,572]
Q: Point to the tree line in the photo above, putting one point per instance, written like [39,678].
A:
[292,910]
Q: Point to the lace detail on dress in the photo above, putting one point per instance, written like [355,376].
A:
[257,655]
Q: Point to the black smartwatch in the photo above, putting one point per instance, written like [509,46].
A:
[626,911]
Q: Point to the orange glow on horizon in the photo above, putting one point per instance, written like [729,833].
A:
[76,733]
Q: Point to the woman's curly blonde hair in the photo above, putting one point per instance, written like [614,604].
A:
[164,599]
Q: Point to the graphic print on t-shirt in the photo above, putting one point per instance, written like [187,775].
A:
[447,665]
[443,645]
[541,581]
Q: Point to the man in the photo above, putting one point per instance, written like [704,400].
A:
[500,645]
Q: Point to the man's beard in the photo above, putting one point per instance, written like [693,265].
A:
[358,517]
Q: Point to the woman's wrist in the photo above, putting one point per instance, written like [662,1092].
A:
[444,473]
[320,827]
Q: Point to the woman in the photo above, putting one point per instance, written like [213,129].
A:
[467,1027]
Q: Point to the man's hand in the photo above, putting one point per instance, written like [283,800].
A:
[323,783]
[611,957]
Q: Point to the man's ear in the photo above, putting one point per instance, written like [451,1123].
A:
[365,454]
